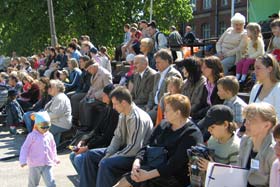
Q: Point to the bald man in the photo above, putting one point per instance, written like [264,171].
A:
[143,81]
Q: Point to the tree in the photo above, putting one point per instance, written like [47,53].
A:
[25,25]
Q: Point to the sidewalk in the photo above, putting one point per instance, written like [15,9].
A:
[12,175]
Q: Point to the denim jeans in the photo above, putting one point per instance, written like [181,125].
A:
[35,174]
[56,131]
[228,62]
[27,120]
[107,172]
[76,161]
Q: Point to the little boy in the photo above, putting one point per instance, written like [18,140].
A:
[14,111]
[228,88]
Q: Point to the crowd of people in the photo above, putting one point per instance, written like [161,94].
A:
[160,104]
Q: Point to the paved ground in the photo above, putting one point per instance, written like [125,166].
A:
[12,175]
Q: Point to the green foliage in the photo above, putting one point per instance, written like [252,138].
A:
[24,24]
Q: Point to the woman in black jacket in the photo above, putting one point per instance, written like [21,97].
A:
[177,134]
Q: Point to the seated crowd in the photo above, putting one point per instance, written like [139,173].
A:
[170,105]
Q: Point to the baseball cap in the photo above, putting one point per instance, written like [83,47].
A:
[216,114]
[93,50]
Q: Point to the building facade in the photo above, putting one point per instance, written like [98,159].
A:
[212,17]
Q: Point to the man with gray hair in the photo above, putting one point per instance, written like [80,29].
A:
[143,81]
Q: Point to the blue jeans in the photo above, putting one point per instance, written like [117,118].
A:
[105,174]
[27,120]
[228,62]
[76,161]
[56,131]
[35,174]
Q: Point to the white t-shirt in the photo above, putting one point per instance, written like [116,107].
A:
[272,98]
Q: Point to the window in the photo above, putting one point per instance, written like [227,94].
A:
[224,2]
[193,4]
[206,4]
[222,28]
[206,30]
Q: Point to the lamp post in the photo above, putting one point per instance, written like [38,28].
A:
[232,7]
[151,10]
[52,23]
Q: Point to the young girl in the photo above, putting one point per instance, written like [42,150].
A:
[174,86]
[219,122]
[255,48]
[275,169]
[274,44]
[39,152]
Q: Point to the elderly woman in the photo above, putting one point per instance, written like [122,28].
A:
[74,76]
[146,47]
[232,43]
[256,149]
[176,134]
[59,109]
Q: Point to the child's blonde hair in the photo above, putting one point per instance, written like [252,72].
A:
[255,29]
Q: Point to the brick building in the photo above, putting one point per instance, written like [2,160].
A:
[212,17]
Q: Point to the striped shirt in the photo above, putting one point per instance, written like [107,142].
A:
[225,153]
[132,133]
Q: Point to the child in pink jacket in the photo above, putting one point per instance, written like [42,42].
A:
[39,152]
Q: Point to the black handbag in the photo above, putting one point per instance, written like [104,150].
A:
[155,156]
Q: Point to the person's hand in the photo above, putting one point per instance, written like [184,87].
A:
[22,165]
[203,164]
[135,167]
[221,56]
[140,176]
[81,150]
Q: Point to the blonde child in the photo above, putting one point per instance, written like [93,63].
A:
[39,152]
[274,44]
[255,48]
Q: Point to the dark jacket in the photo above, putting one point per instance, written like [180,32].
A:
[74,80]
[176,142]
[143,87]
[32,95]
[197,93]
[14,113]
[39,105]
[84,84]
[102,135]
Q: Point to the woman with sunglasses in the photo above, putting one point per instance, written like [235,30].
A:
[39,151]
[267,88]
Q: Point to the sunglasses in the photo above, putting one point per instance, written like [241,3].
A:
[44,127]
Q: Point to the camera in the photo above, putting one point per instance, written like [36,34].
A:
[197,177]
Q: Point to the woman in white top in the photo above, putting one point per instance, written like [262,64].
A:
[267,88]
[232,43]
[59,109]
